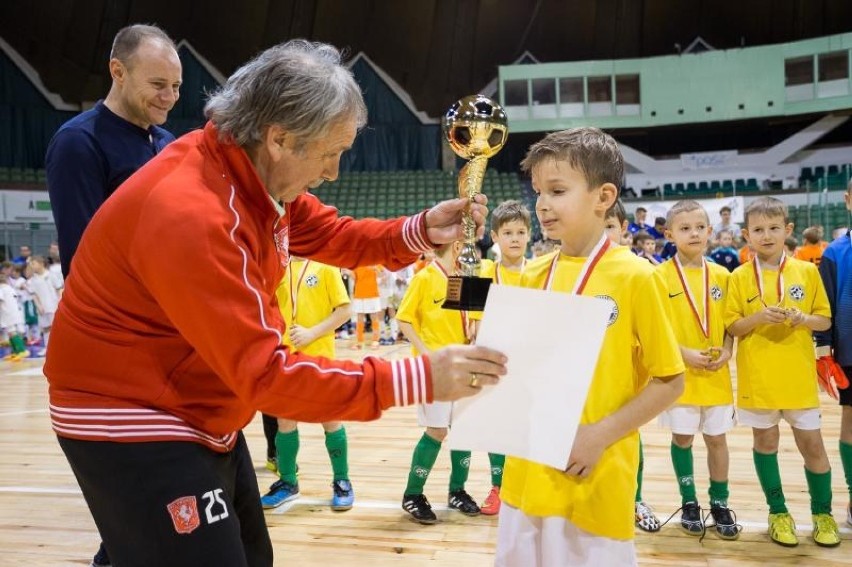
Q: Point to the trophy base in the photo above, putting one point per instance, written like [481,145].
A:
[466,293]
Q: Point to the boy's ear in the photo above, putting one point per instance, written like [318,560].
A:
[668,234]
[493,235]
[608,195]
[744,234]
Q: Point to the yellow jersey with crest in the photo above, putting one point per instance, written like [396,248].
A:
[701,387]
[421,307]
[776,364]
[602,504]
[319,290]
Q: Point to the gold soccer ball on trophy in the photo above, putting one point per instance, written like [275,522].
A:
[475,126]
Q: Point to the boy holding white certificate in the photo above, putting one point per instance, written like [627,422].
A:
[697,290]
[582,515]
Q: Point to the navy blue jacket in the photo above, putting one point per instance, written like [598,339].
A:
[87,159]
[836,271]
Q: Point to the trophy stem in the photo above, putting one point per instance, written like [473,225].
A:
[470,184]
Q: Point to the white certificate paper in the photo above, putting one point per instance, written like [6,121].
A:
[552,340]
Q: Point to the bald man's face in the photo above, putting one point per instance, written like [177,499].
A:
[149,83]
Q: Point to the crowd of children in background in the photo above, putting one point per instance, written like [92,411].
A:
[725,246]
[30,289]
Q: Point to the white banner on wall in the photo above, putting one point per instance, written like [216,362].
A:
[26,206]
[709,160]
[712,206]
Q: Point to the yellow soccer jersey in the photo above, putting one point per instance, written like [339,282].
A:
[319,290]
[702,387]
[499,274]
[421,307]
[602,504]
[776,367]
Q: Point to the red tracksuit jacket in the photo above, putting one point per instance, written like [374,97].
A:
[169,328]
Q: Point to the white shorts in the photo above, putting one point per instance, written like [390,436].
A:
[692,420]
[370,305]
[805,419]
[553,541]
[436,414]
[45,320]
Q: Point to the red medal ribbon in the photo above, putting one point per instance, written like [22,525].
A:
[595,256]
[705,277]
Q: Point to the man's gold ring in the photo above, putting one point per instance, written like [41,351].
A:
[474,380]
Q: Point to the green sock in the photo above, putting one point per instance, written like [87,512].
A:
[846,459]
[819,487]
[496,461]
[287,447]
[718,493]
[337,447]
[422,461]
[17,344]
[682,462]
[770,481]
[460,461]
[639,473]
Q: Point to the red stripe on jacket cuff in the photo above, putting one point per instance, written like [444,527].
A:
[414,233]
[412,381]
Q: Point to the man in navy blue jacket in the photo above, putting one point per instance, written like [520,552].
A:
[94,152]
[836,343]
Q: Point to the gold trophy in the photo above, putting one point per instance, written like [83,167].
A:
[476,129]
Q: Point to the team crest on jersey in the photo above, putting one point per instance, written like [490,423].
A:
[282,244]
[613,308]
[184,513]
[312,280]
[716,292]
[797,292]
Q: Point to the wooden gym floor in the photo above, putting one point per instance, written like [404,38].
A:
[44,520]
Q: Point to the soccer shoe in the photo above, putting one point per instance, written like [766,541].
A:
[461,501]
[22,355]
[726,523]
[342,495]
[101,558]
[279,493]
[826,533]
[272,464]
[491,506]
[645,519]
[690,519]
[782,529]
[418,506]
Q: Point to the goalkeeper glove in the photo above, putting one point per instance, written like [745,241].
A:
[831,376]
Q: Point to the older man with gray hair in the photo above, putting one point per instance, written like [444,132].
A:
[168,338]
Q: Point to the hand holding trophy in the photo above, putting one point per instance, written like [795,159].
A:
[476,129]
